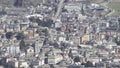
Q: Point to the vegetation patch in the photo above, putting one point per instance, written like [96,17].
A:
[116,7]
[97,1]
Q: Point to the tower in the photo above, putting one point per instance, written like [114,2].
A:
[82,10]
[38,45]
[18,3]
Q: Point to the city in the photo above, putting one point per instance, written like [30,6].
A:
[59,33]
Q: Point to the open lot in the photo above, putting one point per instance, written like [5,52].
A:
[97,1]
[115,0]
[115,5]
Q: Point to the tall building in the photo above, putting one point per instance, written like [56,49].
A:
[18,3]
[13,50]
[38,45]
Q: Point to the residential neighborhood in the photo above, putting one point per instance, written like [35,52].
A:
[59,34]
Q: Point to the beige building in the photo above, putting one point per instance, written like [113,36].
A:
[85,38]
[54,58]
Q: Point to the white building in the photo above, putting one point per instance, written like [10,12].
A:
[30,52]
[13,50]
[54,58]
[23,64]
[38,45]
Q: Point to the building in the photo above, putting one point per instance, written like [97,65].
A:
[13,50]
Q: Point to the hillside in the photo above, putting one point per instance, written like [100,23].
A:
[11,2]
[115,5]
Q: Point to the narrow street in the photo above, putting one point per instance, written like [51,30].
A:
[58,10]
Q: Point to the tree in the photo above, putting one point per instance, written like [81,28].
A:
[22,44]
[15,21]
[82,63]
[20,36]
[46,32]
[3,12]
[44,23]
[107,37]
[52,66]
[33,45]
[18,3]
[89,64]
[79,47]
[66,1]
[64,10]
[32,19]
[117,40]
[9,35]
[47,23]
[39,21]
[55,9]
[77,59]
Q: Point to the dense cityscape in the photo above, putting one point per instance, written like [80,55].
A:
[59,34]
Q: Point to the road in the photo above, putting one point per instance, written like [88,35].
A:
[58,10]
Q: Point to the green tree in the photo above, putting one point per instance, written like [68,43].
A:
[47,22]
[33,45]
[66,1]
[40,22]
[22,44]
[46,32]
[64,10]
[77,59]
[82,63]
[9,35]
[20,36]
[18,3]
[89,64]
[3,12]
[32,19]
